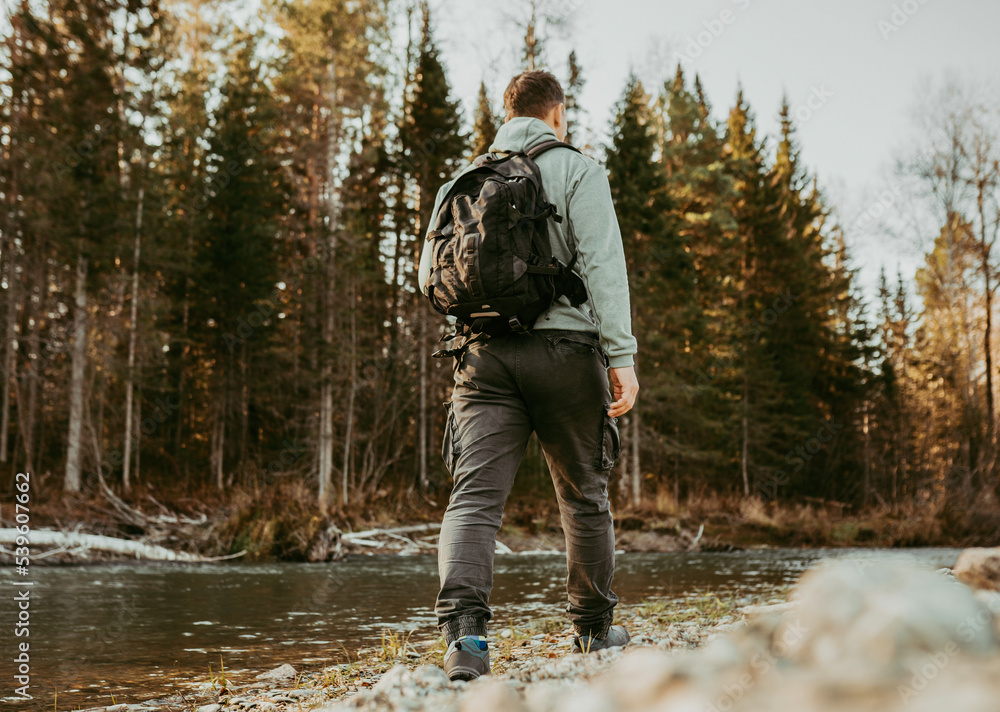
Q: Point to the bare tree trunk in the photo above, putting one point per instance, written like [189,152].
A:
[325,440]
[244,404]
[138,431]
[133,322]
[72,479]
[351,389]
[9,354]
[636,428]
[219,440]
[745,429]
[868,459]
[95,431]
[33,364]
[986,248]
[422,416]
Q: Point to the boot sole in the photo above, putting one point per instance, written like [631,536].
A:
[464,673]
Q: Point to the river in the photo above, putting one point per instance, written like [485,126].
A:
[137,631]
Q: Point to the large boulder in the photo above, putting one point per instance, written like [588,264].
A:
[873,636]
[979,568]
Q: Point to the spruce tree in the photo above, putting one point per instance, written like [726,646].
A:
[486,121]
[691,156]
[658,264]
[234,308]
[574,112]
[432,145]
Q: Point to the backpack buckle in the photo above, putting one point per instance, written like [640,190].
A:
[516,326]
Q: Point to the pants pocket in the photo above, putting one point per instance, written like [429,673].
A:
[450,448]
[573,343]
[611,443]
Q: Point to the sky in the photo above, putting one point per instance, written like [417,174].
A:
[851,70]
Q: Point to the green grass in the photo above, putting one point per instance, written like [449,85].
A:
[699,607]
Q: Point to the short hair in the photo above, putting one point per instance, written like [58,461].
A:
[532,94]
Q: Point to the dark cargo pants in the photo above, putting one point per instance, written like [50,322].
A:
[554,382]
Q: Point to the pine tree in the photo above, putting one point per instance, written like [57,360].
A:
[765,428]
[658,264]
[574,87]
[245,197]
[432,144]
[485,128]
[701,190]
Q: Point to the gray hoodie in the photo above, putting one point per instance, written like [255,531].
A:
[578,187]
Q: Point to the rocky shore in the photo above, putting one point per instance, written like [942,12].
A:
[858,634]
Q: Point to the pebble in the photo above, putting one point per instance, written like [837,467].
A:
[282,672]
[214,707]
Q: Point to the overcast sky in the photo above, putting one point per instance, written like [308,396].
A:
[861,61]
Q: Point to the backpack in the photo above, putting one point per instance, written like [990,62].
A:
[491,260]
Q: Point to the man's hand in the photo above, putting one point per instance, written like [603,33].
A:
[625,388]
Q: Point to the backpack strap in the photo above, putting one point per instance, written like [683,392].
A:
[536,151]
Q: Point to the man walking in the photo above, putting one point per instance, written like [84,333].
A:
[553,380]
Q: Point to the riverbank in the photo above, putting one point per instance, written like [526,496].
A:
[864,634]
[284,526]
[525,650]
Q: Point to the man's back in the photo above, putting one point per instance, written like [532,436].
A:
[578,187]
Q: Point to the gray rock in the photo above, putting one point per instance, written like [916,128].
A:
[979,568]
[209,708]
[866,625]
[303,692]
[282,672]
[431,676]
[777,609]
[488,694]
[398,677]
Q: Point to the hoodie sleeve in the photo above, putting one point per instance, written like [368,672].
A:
[601,259]
[424,269]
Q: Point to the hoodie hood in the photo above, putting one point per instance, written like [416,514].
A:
[521,133]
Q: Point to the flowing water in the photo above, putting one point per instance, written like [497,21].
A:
[138,631]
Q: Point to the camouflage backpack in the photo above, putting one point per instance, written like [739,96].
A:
[491,260]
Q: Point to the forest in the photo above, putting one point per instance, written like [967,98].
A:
[209,230]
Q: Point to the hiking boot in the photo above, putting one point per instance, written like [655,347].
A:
[467,658]
[617,636]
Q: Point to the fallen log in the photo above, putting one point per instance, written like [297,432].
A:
[395,530]
[78,544]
